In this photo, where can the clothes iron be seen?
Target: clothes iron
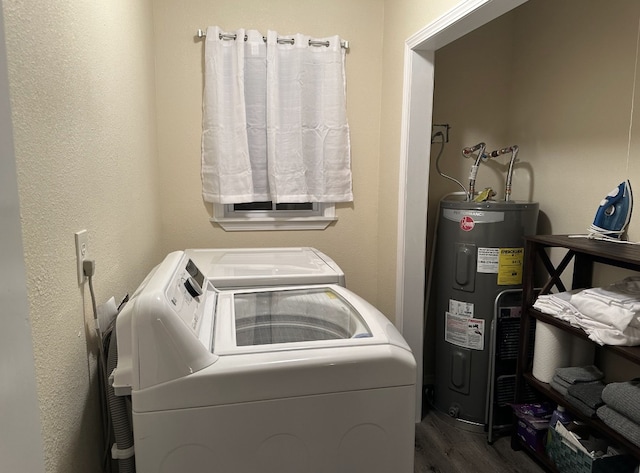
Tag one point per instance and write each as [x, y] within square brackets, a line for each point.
[614, 213]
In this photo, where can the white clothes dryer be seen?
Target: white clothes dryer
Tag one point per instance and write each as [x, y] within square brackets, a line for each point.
[270, 379]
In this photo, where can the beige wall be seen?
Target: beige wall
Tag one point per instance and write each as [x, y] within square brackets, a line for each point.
[572, 89]
[82, 90]
[352, 241]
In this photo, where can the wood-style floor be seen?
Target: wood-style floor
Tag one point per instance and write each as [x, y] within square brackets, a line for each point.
[445, 448]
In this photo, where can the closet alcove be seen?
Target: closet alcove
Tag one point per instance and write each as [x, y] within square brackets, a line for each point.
[559, 79]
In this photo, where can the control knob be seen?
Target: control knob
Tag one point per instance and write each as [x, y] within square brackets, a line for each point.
[193, 288]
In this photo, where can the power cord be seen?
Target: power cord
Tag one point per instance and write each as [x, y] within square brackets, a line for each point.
[89, 269]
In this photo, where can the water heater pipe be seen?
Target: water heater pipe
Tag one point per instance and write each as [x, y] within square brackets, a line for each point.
[467, 152]
[514, 153]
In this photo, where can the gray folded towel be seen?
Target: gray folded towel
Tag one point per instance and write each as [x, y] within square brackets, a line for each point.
[579, 374]
[580, 406]
[588, 393]
[624, 398]
[621, 424]
[559, 385]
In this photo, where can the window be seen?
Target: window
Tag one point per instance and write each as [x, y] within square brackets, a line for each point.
[271, 216]
[296, 146]
[269, 206]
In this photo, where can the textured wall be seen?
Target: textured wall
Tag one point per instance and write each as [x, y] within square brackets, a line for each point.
[353, 240]
[20, 434]
[82, 92]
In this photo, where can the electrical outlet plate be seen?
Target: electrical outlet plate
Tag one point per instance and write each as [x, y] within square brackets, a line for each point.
[444, 128]
[82, 252]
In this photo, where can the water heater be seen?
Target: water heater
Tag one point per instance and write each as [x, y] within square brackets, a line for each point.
[479, 254]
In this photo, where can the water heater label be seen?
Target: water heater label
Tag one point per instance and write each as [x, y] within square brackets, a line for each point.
[475, 216]
[465, 332]
[461, 308]
[488, 260]
[510, 266]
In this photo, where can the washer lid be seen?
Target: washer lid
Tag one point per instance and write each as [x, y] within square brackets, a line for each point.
[251, 267]
[294, 318]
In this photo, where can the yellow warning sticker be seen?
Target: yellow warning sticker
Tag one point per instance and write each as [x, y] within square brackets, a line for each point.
[510, 266]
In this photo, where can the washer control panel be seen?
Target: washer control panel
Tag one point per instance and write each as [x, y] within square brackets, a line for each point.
[187, 293]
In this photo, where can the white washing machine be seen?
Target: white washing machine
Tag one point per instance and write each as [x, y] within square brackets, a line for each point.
[270, 379]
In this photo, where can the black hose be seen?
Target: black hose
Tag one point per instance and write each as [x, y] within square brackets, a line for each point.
[122, 428]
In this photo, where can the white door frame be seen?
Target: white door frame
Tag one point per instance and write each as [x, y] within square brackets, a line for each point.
[415, 144]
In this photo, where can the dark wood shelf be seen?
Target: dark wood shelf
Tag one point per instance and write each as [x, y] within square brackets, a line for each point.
[593, 422]
[585, 253]
[607, 252]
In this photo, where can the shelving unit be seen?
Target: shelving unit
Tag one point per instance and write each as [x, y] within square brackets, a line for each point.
[584, 253]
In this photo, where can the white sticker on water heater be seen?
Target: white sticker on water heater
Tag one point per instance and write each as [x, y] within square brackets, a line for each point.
[465, 332]
[488, 260]
[460, 308]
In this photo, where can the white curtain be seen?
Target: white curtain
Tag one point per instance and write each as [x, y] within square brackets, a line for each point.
[274, 120]
[226, 167]
[255, 92]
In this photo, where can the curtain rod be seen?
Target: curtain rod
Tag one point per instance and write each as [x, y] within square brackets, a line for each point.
[229, 36]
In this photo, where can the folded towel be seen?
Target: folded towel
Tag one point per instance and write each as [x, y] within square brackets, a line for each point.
[620, 423]
[616, 305]
[579, 374]
[611, 336]
[559, 385]
[580, 406]
[601, 329]
[624, 398]
[555, 304]
[588, 393]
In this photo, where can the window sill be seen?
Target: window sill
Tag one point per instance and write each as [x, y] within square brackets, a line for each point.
[272, 223]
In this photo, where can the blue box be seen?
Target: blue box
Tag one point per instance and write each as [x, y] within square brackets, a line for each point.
[533, 422]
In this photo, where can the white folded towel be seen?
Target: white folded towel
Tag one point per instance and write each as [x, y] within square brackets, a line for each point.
[556, 304]
[598, 327]
[608, 336]
[616, 305]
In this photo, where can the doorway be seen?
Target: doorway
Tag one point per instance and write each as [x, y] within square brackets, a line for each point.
[414, 163]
